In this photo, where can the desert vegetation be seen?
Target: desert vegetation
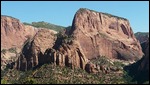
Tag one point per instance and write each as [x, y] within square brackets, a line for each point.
[43, 24]
[53, 74]
[109, 15]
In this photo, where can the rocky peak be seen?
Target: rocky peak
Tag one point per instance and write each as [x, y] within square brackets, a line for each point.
[92, 21]
[97, 31]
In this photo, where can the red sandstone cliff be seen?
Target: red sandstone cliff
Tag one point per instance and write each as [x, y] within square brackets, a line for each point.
[105, 35]
[92, 34]
[13, 32]
[13, 35]
[34, 48]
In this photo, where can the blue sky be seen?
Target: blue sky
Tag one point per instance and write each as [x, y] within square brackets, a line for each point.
[62, 12]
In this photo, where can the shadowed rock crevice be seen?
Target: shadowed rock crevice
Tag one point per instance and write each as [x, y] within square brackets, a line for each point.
[124, 29]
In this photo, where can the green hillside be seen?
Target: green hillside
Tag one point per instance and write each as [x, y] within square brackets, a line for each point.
[43, 24]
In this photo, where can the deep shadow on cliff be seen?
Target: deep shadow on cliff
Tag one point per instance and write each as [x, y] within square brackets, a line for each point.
[140, 70]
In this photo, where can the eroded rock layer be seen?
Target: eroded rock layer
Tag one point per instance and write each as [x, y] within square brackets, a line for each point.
[106, 35]
[33, 50]
[92, 34]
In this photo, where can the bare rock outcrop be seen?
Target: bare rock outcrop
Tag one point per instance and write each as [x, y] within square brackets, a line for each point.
[32, 53]
[104, 34]
[13, 35]
[13, 32]
[67, 55]
[92, 34]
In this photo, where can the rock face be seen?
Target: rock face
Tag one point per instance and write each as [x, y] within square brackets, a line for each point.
[13, 35]
[67, 55]
[140, 69]
[105, 35]
[34, 48]
[13, 32]
[64, 54]
[7, 58]
[92, 34]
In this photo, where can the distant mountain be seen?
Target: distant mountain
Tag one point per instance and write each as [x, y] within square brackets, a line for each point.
[142, 36]
[43, 24]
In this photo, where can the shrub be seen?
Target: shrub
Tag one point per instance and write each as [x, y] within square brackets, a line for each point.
[26, 23]
[10, 17]
[101, 60]
[109, 15]
[54, 74]
[43, 24]
[3, 51]
[12, 50]
[3, 81]
[29, 80]
[118, 64]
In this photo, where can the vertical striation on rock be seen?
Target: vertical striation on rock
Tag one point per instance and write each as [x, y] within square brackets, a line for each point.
[93, 34]
[102, 34]
[13, 32]
[13, 35]
[32, 53]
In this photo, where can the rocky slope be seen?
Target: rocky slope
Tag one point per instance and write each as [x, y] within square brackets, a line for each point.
[105, 35]
[63, 54]
[140, 69]
[92, 35]
[13, 35]
[13, 32]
